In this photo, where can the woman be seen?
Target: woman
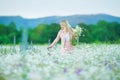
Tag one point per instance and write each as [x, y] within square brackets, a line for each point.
[65, 34]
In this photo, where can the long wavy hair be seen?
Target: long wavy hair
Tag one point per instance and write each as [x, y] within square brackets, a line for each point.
[67, 26]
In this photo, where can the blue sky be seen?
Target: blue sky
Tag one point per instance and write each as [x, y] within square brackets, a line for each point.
[42, 8]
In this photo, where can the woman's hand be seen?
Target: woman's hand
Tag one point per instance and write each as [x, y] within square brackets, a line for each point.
[49, 47]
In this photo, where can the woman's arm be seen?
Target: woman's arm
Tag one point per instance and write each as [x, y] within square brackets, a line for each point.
[56, 39]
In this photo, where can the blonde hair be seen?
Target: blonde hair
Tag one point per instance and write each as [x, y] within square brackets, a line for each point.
[67, 26]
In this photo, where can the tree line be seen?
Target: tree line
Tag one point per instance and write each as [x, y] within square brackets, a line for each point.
[103, 32]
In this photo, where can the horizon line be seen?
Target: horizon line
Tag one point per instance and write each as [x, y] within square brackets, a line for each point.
[57, 15]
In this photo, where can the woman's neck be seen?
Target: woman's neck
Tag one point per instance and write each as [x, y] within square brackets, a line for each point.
[64, 30]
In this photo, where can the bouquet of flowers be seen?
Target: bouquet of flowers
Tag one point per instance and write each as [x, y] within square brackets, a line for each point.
[77, 31]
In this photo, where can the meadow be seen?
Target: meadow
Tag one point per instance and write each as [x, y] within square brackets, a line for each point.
[88, 62]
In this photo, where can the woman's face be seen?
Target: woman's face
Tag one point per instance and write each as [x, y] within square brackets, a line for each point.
[62, 24]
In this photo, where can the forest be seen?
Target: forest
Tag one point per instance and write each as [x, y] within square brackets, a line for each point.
[102, 32]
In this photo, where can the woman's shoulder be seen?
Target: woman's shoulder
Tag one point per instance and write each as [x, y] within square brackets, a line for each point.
[60, 31]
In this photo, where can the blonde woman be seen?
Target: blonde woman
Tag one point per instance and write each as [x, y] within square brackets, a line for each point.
[65, 34]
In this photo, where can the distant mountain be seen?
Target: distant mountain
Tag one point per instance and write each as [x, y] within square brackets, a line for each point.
[73, 19]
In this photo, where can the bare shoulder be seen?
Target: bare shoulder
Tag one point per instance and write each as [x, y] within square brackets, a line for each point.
[60, 31]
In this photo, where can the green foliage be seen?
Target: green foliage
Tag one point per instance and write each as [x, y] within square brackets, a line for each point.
[2, 78]
[42, 33]
[102, 32]
[8, 32]
[74, 41]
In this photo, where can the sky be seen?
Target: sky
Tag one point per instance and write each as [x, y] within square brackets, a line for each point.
[43, 8]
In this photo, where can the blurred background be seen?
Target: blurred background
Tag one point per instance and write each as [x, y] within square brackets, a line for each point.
[100, 20]
[25, 25]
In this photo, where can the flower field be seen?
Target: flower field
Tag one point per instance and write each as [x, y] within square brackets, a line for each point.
[88, 62]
